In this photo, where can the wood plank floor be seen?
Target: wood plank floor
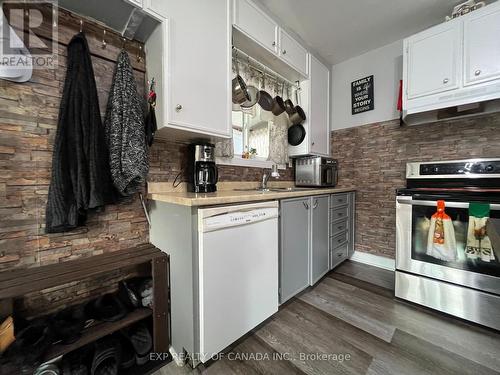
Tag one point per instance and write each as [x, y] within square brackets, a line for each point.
[350, 323]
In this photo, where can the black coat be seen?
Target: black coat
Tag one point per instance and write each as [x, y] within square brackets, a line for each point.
[81, 178]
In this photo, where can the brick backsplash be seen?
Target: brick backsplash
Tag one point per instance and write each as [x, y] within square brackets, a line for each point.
[373, 158]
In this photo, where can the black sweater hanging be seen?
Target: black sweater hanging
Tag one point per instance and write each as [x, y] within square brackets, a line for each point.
[81, 178]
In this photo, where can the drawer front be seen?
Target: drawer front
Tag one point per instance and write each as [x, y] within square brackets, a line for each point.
[337, 227]
[338, 200]
[338, 255]
[338, 214]
[338, 240]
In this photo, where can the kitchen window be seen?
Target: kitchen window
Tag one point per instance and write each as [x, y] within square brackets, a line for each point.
[250, 139]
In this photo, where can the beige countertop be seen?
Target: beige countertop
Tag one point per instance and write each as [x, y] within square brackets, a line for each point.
[227, 196]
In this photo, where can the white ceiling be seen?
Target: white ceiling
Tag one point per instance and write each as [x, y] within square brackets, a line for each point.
[338, 30]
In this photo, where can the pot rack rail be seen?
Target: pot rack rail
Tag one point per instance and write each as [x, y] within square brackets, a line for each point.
[244, 59]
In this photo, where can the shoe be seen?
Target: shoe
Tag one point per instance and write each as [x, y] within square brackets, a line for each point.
[6, 334]
[68, 324]
[138, 335]
[128, 296]
[106, 359]
[31, 343]
[107, 308]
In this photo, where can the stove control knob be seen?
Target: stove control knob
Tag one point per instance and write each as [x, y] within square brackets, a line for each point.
[435, 169]
[489, 168]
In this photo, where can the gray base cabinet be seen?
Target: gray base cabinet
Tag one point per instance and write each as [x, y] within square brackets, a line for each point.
[319, 238]
[304, 243]
[341, 227]
[294, 246]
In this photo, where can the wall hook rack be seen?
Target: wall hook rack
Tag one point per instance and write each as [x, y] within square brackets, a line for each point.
[104, 43]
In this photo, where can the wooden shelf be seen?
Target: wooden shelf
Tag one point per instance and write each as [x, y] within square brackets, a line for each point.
[96, 332]
[19, 282]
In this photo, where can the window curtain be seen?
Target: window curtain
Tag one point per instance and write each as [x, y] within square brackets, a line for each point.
[278, 139]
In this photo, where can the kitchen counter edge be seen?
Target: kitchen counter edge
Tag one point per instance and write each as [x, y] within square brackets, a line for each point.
[233, 196]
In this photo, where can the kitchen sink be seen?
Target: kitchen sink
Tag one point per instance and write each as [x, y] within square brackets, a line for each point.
[276, 190]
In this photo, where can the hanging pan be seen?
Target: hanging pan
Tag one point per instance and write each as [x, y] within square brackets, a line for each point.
[297, 132]
[240, 92]
[278, 103]
[265, 99]
[253, 91]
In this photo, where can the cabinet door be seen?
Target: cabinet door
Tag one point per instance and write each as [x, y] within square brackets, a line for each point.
[482, 46]
[294, 247]
[434, 60]
[319, 238]
[319, 108]
[200, 58]
[156, 8]
[256, 24]
[293, 53]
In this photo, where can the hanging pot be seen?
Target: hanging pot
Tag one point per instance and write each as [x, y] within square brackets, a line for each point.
[296, 134]
[265, 100]
[253, 92]
[278, 103]
[298, 116]
[289, 106]
[240, 92]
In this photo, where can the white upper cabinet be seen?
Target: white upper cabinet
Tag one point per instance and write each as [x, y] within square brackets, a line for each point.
[433, 58]
[292, 52]
[482, 47]
[157, 8]
[189, 55]
[319, 108]
[256, 24]
[453, 64]
[200, 66]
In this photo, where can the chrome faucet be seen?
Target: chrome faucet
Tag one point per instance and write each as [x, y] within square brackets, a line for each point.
[265, 177]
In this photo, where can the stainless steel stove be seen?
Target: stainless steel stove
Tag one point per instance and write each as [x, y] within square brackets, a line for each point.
[456, 276]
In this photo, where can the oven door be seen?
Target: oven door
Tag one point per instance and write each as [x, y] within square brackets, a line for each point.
[413, 222]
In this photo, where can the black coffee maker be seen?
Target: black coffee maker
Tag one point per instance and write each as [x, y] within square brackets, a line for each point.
[204, 173]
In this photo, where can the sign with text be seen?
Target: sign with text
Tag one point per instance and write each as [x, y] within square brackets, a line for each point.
[362, 95]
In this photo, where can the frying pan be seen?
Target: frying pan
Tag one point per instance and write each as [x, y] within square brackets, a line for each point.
[289, 106]
[253, 92]
[265, 100]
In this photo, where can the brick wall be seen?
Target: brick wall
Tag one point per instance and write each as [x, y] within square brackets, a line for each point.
[373, 159]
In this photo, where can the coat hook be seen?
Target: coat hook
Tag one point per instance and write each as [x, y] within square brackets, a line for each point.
[104, 39]
[124, 40]
[81, 25]
[139, 54]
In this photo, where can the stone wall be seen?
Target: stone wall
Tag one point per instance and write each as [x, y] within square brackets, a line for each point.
[373, 159]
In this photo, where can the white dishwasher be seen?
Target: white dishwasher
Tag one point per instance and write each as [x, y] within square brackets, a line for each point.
[238, 279]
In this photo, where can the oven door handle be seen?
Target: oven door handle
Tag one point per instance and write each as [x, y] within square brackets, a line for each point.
[493, 206]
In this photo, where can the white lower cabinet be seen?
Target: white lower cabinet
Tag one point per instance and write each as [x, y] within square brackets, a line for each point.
[316, 234]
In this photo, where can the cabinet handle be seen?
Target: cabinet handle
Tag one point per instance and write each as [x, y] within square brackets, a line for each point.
[284, 52]
[446, 80]
[340, 255]
[312, 143]
[477, 72]
[305, 205]
[315, 203]
[339, 227]
[274, 44]
[178, 107]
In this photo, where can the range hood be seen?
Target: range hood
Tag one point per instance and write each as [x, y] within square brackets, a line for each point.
[124, 18]
[459, 111]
